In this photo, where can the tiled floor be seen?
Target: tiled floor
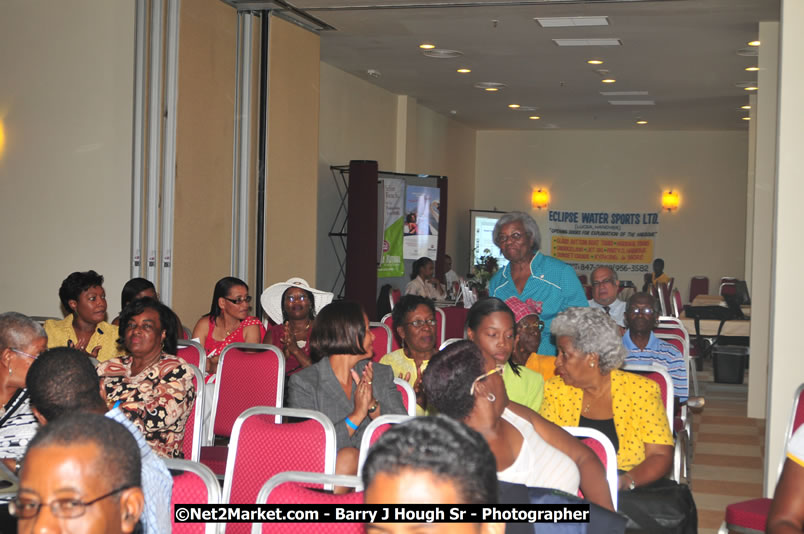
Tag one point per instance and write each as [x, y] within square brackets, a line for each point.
[729, 452]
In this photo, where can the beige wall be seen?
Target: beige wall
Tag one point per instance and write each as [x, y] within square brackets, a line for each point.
[625, 171]
[292, 181]
[65, 169]
[204, 137]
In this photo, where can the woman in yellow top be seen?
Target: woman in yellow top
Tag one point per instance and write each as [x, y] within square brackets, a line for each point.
[85, 328]
[590, 391]
[415, 327]
[529, 327]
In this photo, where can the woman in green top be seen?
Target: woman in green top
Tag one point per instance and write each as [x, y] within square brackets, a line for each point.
[490, 325]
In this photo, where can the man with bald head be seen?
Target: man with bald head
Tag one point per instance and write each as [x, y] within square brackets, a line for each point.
[604, 294]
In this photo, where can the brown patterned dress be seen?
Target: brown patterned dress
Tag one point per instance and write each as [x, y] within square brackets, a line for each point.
[158, 399]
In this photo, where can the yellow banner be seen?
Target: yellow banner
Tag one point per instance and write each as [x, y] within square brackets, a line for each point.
[602, 249]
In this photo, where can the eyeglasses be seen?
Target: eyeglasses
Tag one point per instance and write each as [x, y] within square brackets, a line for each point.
[532, 326]
[239, 300]
[643, 311]
[23, 508]
[498, 369]
[597, 283]
[516, 236]
[23, 353]
[418, 323]
[296, 298]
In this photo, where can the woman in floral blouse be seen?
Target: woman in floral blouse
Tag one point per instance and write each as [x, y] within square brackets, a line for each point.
[153, 387]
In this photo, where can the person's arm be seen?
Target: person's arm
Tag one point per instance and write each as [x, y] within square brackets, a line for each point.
[593, 477]
[252, 334]
[200, 330]
[658, 461]
[786, 514]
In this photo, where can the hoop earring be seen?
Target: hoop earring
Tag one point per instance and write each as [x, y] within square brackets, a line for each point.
[490, 397]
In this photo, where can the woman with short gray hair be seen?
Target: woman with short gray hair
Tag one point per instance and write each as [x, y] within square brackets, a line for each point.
[590, 391]
[545, 284]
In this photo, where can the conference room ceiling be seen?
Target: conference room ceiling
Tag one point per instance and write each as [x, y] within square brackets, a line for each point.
[680, 54]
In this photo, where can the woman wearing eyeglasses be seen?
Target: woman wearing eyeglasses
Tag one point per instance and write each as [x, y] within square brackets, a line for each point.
[490, 325]
[292, 306]
[529, 329]
[530, 275]
[465, 383]
[228, 321]
[415, 327]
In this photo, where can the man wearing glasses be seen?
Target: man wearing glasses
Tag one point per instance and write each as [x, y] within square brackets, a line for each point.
[81, 473]
[604, 294]
[641, 317]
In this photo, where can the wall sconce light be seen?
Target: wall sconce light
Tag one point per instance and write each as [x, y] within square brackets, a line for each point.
[540, 198]
[670, 200]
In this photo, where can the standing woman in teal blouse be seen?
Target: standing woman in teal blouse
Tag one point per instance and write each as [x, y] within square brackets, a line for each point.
[490, 325]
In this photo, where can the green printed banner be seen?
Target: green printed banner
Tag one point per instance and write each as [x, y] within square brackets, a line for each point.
[391, 264]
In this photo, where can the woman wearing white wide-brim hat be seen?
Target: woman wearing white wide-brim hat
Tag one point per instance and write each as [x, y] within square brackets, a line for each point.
[293, 305]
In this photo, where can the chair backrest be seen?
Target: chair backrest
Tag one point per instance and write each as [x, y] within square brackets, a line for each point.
[193, 483]
[588, 292]
[603, 448]
[408, 395]
[245, 379]
[729, 280]
[658, 374]
[441, 321]
[193, 428]
[373, 431]
[676, 304]
[448, 342]
[299, 487]
[192, 352]
[584, 280]
[388, 321]
[394, 295]
[661, 294]
[699, 285]
[795, 421]
[382, 340]
[727, 288]
[673, 328]
[454, 321]
[261, 448]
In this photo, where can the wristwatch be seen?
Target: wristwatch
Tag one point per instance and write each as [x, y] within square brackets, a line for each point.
[373, 407]
[632, 484]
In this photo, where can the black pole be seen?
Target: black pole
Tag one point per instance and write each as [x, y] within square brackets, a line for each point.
[261, 163]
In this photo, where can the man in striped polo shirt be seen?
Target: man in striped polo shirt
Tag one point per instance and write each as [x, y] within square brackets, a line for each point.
[641, 317]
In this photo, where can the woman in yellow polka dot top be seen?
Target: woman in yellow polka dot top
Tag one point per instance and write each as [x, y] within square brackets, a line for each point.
[590, 391]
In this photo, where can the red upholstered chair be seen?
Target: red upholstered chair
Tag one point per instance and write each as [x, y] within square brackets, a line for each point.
[192, 352]
[440, 325]
[454, 321]
[373, 431]
[244, 379]
[408, 395]
[729, 280]
[394, 295]
[676, 307]
[699, 285]
[588, 291]
[750, 516]
[382, 340]
[728, 288]
[261, 448]
[664, 297]
[193, 483]
[388, 321]
[602, 447]
[193, 429]
[299, 487]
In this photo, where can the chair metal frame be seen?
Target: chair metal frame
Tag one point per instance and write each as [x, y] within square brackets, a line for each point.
[611, 455]
[198, 415]
[202, 353]
[209, 479]
[365, 441]
[410, 392]
[448, 342]
[280, 387]
[329, 431]
[390, 338]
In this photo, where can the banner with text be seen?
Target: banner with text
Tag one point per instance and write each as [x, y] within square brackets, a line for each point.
[587, 239]
[422, 205]
[391, 264]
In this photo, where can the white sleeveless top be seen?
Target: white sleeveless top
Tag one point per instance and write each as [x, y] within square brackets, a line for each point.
[539, 464]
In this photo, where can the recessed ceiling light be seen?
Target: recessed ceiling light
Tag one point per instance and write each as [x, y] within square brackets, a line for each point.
[427, 46]
[608, 80]
[442, 53]
[746, 118]
[491, 89]
[745, 107]
[752, 88]
[489, 85]
[464, 71]
[566, 22]
[752, 69]
[641, 122]
[587, 42]
[513, 106]
[753, 43]
[534, 117]
[594, 61]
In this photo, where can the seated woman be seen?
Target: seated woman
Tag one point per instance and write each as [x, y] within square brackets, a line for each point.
[490, 324]
[292, 305]
[343, 384]
[228, 321]
[589, 390]
[152, 387]
[136, 288]
[464, 383]
[415, 327]
[85, 328]
[529, 329]
[422, 282]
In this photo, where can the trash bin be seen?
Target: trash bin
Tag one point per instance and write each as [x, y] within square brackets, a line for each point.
[729, 362]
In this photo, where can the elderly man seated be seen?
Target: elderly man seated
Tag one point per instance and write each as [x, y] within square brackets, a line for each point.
[641, 318]
[605, 286]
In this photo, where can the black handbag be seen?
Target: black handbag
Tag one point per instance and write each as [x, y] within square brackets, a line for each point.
[664, 507]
